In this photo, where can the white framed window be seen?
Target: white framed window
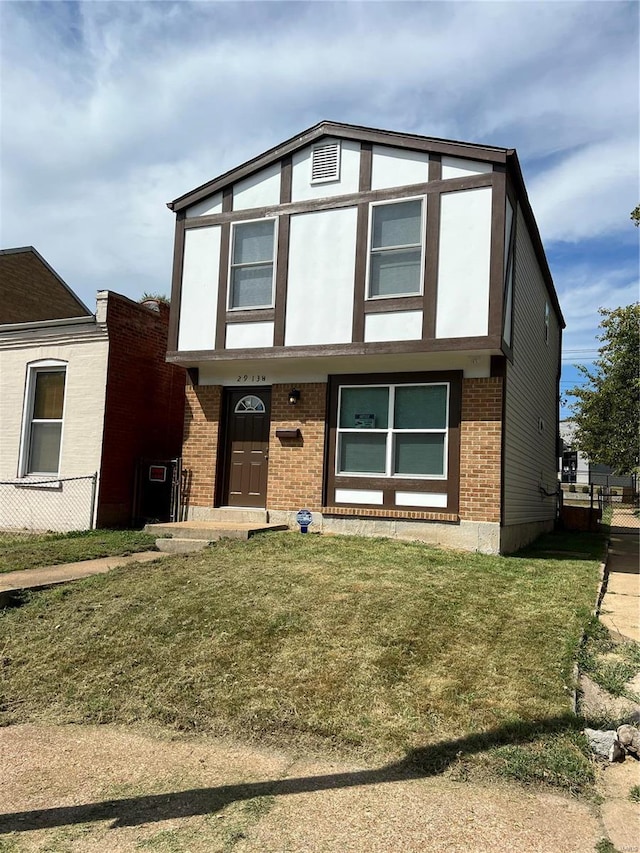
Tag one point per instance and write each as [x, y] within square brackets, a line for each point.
[393, 430]
[252, 264]
[43, 418]
[396, 248]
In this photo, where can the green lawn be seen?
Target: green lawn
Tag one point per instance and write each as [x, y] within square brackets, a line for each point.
[19, 551]
[382, 648]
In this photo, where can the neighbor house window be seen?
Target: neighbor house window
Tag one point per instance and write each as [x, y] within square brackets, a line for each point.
[252, 264]
[395, 249]
[393, 430]
[42, 433]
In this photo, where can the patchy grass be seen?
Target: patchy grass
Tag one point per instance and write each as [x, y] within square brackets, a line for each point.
[634, 794]
[391, 650]
[611, 664]
[50, 549]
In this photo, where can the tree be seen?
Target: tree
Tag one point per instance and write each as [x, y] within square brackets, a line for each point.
[635, 215]
[607, 410]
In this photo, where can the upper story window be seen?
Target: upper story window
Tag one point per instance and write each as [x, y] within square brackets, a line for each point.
[393, 430]
[251, 281]
[42, 427]
[396, 249]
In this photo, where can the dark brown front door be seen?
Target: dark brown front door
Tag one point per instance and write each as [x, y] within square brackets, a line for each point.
[247, 447]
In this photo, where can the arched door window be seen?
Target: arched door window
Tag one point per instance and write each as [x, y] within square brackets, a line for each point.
[250, 405]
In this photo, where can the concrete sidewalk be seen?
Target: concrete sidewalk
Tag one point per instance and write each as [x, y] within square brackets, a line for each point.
[620, 609]
[12, 583]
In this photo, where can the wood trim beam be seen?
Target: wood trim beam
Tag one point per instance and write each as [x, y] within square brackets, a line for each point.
[496, 263]
[490, 344]
[176, 284]
[360, 273]
[282, 270]
[285, 180]
[254, 315]
[350, 200]
[366, 163]
[432, 248]
[398, 303]
[223, 283]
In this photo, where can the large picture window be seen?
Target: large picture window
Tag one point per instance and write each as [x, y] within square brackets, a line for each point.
[395, 250]
[43, 420]
[393, 430]
[252, 256]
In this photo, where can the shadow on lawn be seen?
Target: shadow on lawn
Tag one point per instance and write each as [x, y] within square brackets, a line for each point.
[420, 763]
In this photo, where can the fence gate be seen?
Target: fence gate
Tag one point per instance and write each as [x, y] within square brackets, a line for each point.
[624, 506]
[157, 497]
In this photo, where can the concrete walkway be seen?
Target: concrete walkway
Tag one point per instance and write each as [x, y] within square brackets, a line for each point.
[620, 610]
[15, 582]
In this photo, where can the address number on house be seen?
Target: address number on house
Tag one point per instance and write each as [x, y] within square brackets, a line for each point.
[251, 377]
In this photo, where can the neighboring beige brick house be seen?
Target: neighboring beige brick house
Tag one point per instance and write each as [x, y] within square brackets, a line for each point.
[372, 333]
[84, 398]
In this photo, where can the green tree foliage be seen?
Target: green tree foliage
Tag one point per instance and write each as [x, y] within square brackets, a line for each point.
[607, 409]
[635, 215]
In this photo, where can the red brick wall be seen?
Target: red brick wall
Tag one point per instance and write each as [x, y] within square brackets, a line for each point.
[144, 408]
[200, 446]
[295, 465]
[480, 449]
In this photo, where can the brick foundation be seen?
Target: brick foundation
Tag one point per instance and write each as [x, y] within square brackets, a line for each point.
[480, 449]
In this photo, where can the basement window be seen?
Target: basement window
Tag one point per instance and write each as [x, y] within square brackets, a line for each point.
[325, 162]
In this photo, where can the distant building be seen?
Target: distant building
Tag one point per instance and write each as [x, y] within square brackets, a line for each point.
[576, 468]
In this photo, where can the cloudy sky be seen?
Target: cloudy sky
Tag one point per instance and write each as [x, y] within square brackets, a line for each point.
[111, 109]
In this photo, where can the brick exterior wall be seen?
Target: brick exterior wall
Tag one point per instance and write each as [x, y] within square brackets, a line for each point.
[200, 444]
[144, 408]
[480, 449]
[295, 465]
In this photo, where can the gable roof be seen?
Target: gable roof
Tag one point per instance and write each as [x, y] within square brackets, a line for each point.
[343, 131]
[31, 290]
[507, 157]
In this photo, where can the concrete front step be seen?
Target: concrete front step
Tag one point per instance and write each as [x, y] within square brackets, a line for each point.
[243, 516]
[183, 537]
[210, 530]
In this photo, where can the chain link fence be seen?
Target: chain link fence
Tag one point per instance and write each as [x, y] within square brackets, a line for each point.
[58, 504]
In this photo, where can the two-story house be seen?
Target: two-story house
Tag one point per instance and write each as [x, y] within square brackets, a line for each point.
[372, 333]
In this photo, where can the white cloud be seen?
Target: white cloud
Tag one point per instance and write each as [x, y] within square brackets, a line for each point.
[116, 108]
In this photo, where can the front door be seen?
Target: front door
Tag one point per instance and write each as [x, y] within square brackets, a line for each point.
[247, 448]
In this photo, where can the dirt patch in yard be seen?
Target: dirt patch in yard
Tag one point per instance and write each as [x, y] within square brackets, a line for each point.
[84, 789]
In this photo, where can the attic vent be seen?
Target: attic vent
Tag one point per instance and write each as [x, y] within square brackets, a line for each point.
[325, 162]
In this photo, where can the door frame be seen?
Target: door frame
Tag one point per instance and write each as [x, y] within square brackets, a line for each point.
[223, 467]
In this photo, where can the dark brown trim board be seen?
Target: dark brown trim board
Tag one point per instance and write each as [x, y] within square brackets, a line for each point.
[282, 272]
[366, 161]
[176, 284]
[393, 304]
[254, 315]
[223, 276]
[389, 485]
[285, 180]
[496, 263]
[360, 274]
[431, 253]
[490, 345]
[467, 182]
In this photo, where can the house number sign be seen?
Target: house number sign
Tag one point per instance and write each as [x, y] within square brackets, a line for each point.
[254, 378]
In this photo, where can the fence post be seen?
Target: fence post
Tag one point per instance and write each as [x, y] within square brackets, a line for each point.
[92, 509]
